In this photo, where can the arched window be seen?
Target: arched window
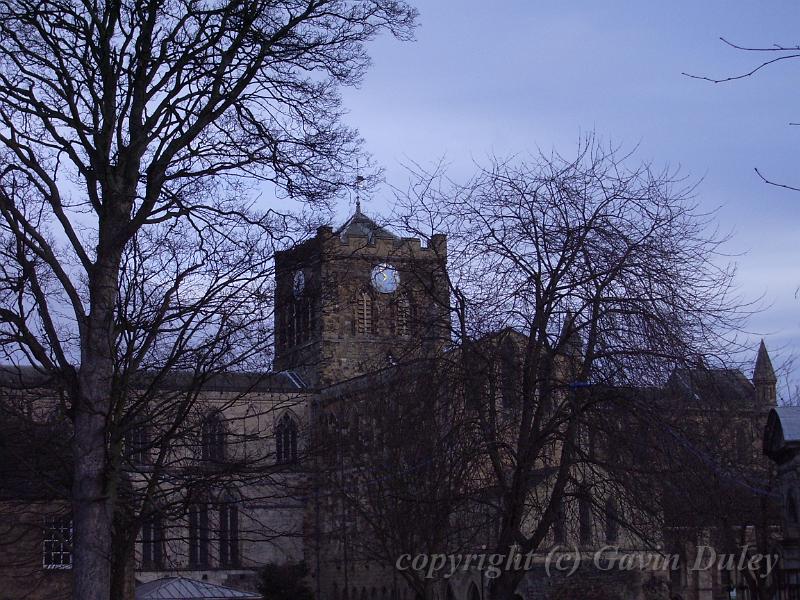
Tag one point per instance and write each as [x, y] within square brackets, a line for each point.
[473, 592]
[301, 319]
[475, 367]
[286, 440]
[137, 442]
[612, 522]
[213, 438]
[198, 536]
[363, 313]
[152, 543]
[228, 533]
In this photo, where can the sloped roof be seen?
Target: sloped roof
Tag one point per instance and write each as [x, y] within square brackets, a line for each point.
[360, 225]
[28, 377]
[790, 422]
[724, 387]
[763, 372]
[182, 588]
[782, 434]
[283, 381]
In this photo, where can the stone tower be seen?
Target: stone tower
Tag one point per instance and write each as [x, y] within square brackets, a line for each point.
[764, 379]
[357, 299]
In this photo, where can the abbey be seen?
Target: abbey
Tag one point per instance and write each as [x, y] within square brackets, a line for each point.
[318, 461]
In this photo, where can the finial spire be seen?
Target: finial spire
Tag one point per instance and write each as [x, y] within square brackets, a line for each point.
[359, 181]
[763, 372]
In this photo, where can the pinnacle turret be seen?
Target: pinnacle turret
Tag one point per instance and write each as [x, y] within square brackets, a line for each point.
[763, 372]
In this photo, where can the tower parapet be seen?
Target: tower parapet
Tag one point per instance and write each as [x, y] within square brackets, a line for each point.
[357, 298]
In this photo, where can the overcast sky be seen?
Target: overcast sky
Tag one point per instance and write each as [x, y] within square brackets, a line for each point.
[506, 77]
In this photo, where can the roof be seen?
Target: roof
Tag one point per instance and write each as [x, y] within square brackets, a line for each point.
[283, 381]
[182, 588]
[763, 372]
[782, 434]
[790, 422]
[722, 387]
[360, 225]
[29, 377]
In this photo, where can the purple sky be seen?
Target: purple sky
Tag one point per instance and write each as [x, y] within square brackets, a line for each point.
[507, 77]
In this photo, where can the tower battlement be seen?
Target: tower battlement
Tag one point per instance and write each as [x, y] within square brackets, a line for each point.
[353, 299]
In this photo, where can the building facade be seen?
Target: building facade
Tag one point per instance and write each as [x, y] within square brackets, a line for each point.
[260, 476]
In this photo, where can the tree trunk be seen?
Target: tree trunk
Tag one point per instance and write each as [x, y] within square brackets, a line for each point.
[91, 503]
[93, 485]
[123, 563]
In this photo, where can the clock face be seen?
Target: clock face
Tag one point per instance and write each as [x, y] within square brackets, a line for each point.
[385, 278]
[299, 283]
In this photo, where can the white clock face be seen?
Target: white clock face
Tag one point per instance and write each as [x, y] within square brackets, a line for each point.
[299, 283]
[385, 278]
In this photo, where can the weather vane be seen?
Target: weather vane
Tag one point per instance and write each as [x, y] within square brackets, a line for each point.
[358, 182]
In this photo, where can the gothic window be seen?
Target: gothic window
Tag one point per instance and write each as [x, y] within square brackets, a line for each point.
[363, 313]
[57, 543]
[475, 379]
[302, 319]
[137, 444]
[585, 517]
[229, 534]
[612, 522]
[198, 535]
[213, 438]
[152, 543]
[286, 440]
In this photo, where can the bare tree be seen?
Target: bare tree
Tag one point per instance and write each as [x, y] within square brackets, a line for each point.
[125, 118]
[769, 56]
[608, 271]
[396, 466]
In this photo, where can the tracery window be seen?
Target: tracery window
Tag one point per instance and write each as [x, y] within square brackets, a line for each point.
[152, 543]
[198, 535]
[228, 534]
[213, 438]
[286, 440]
